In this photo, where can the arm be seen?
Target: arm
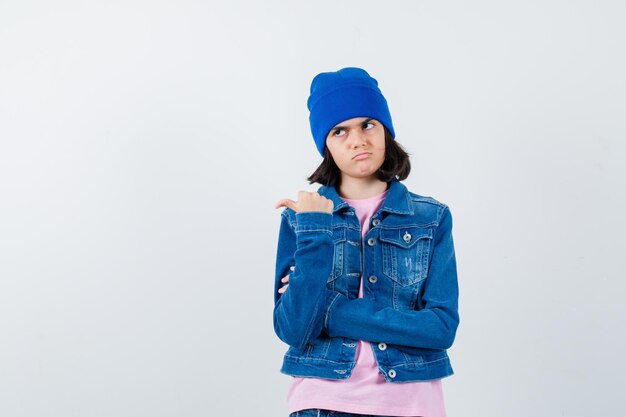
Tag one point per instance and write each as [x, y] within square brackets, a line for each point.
[432, 327]
[298, 313]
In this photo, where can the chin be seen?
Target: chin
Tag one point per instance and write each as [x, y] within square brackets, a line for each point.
[366, 174]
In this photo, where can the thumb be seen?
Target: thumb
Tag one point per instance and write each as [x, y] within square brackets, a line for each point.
[286, 202]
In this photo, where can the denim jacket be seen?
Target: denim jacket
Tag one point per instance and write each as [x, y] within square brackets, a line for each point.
[409, 309]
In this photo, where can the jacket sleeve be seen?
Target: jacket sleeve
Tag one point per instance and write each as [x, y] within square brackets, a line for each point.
[432, 327]
[299, 312]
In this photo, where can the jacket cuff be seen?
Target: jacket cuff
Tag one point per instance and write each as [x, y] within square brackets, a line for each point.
[314, 221]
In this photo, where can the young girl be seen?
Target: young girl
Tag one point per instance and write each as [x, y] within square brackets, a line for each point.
[366, 292]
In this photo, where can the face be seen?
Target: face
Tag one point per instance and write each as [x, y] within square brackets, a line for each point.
[357, 146]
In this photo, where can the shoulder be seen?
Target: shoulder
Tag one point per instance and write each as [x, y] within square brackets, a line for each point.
[428, 206]
[424, 199]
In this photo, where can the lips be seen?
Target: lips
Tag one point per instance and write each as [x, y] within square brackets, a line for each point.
[361, 155]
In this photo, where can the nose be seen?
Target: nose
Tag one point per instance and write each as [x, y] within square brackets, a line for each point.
[357, 138]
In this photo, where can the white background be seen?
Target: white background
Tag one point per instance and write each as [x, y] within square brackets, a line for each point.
[143, 145]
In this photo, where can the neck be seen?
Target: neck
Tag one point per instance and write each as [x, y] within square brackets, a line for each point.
[359, 188]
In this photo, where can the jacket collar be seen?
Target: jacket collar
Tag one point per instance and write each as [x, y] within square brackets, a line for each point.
[397, 201]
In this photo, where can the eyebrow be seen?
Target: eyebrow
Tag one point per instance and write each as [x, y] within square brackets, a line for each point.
[369, 119]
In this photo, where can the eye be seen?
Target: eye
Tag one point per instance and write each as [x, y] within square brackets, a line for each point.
[339, 132]
[368, 125]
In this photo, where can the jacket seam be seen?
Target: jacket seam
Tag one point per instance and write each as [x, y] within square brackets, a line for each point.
[422, 363]
[328, 310]
[314, 359]
[309, 327]
[314, 230]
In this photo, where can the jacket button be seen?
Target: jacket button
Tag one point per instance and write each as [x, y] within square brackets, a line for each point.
[383, 346]
[371, 241]
[407, 237]
[392, 373]
[372, 279]
[376, 222]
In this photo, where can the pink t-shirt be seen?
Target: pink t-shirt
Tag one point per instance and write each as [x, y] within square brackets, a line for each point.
[366, 391]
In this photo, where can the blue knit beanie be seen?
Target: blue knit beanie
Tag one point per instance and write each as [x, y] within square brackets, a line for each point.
[342, 95]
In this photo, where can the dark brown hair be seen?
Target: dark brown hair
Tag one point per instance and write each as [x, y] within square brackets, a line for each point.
[396, 164]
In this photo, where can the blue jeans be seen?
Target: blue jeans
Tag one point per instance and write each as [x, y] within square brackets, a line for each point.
[327, 413]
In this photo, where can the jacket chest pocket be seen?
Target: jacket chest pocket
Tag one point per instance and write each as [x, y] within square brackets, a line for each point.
[406, 253]
[339, 241]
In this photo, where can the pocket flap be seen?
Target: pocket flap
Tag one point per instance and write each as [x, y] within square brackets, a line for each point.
[405, 237]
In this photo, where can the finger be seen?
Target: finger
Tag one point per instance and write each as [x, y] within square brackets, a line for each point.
[285, 279]
[292, 267]
[283, 289]
[281, 203]
[286, 202]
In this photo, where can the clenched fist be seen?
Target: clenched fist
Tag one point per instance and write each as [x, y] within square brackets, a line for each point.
[307, 201]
